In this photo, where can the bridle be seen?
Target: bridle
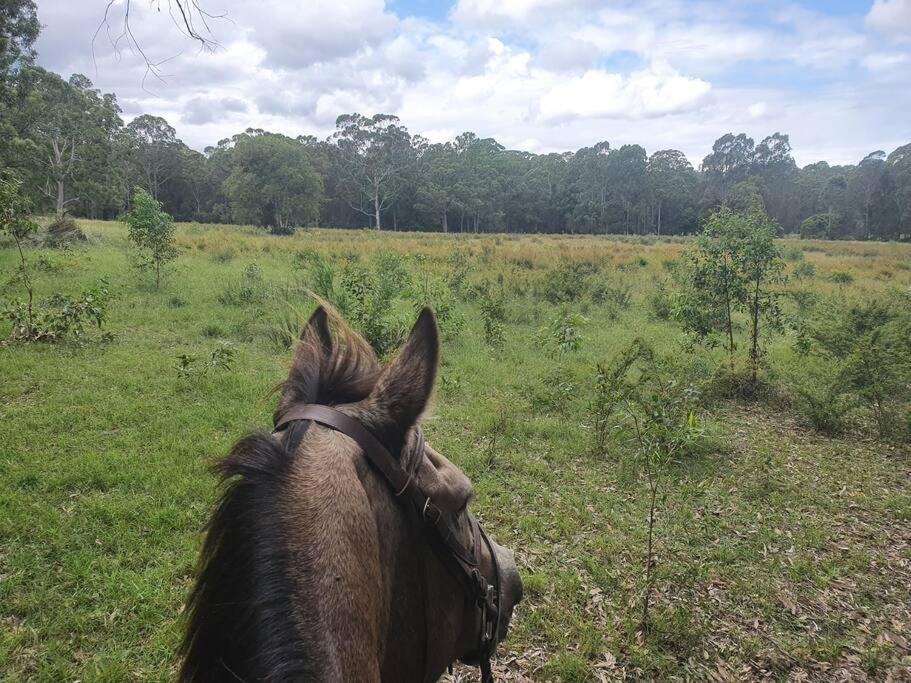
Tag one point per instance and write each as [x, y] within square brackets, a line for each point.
[463, 562]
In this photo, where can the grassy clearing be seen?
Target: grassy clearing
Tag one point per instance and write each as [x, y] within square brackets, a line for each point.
[782, 553]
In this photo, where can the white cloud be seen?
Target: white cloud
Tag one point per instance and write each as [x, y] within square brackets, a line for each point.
[543, 75]
[892, 17]
[648, 93]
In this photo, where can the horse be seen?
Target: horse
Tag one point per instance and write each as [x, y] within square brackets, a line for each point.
[341, 547]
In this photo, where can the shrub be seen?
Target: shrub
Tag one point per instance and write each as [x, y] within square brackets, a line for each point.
[824, 405]
[151, 230]
[221, 358]
[567, 282]
[804, 270]
[661, 305]
[319, 270]
[61, 316]
[841, 277]
[249, 290]
[493, 314]
[563, 334]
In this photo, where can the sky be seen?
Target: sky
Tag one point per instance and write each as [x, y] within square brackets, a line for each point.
[537, 75]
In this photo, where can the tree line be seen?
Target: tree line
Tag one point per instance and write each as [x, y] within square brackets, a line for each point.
[68, 143]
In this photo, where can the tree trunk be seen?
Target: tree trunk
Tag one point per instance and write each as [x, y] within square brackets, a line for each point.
[445, 222]
[376, 209]
[60, 198]
[754, 333]
[659, 218]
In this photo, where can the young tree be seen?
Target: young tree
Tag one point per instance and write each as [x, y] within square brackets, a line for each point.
[152, 231]
[16, 222]
[760, 265]
[731, 268]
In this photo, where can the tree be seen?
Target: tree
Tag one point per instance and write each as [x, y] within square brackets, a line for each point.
[67, 125]
[899, 167]
[375, 153]
[151, 230]
[436, 190]
[730, 162]
[15, 221]
[272, 182]
[731, 268]
[760, 265]
[19, 30]
[154, 152]
[671, 181]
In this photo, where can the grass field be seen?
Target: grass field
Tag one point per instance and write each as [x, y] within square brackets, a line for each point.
[781, 553]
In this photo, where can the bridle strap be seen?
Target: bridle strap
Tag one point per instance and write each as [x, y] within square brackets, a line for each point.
[403, 484]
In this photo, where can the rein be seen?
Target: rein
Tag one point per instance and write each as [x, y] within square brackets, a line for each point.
[462, 561]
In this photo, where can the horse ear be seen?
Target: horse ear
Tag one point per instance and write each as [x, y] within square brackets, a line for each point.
[314, 347]
[403, 390]
[318, 327]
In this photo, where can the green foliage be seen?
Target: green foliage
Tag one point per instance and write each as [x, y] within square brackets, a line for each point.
[493, 315]
[151, 231]
[563, 334]
[841, 277]
[867, 351]
[804, 270]
[59, 317]
[221, 358]
[249, 290]
[654, 412]
[272, 182]
[731, 270]
[320, 271]
[567, 282]
[15, 209]
[661, 303]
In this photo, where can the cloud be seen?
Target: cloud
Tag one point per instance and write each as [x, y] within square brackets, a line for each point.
[201, 110]
[542, 75]
[596, 94]
[298, 33]
[892, 17]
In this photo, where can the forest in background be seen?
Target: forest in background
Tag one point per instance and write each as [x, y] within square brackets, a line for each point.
[67, 141]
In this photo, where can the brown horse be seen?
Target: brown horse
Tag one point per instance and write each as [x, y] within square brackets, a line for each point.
[313, 567]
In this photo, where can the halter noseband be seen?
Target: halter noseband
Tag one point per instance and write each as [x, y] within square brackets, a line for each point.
[463, 562]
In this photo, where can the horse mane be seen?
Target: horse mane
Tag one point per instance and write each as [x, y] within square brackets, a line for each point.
[240, 619]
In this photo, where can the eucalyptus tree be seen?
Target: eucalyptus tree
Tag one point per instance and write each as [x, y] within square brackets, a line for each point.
[671, 184]
[19, 29]
[899, 168]
[376, 153]
[155, 152]
[730, 161]
[70, 127]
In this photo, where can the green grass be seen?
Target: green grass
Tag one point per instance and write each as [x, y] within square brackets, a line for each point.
[780, 550]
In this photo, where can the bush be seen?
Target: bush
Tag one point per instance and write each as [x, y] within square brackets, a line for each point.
[566, 283]
[804, 270]
[563, 334]
[61, 316]
[493, 314]
[321, 273]
[661, 305]
[151, 230]
[250, 289]
[825, 406]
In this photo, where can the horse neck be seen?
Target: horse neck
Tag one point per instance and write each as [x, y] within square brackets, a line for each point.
[360, 583]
